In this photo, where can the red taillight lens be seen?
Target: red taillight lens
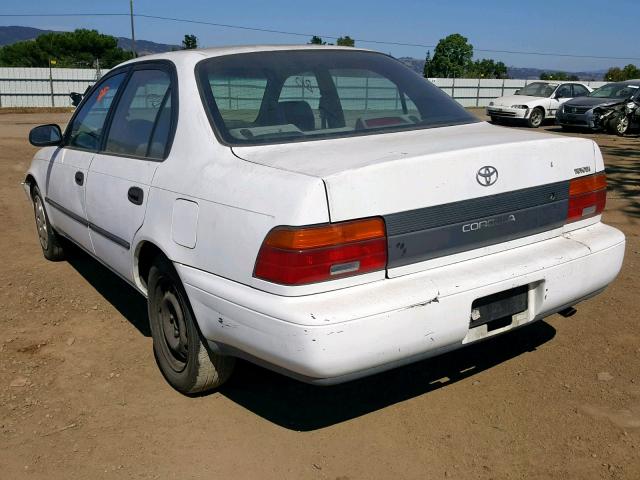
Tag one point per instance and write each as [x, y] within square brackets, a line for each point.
[300, 255]
[587, 197]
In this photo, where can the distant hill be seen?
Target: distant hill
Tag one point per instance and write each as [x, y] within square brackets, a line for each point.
[513, 72]
[534, 73]
[9, 35]
[13, 34]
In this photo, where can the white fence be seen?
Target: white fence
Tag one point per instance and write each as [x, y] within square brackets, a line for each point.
[34, 87]
[474, 92]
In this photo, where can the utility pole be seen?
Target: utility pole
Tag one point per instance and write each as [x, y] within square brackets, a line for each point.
[133, 35]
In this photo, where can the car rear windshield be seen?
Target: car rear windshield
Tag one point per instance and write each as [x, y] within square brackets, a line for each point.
[294, 95]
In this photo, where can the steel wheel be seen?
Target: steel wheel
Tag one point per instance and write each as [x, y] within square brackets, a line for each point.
[49, 241]
[175, 346]
[41, 223]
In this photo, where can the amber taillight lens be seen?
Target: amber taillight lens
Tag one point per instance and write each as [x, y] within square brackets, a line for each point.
[587, 197]
[302, 255]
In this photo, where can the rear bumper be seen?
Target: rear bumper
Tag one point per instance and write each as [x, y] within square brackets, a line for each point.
[340, 335]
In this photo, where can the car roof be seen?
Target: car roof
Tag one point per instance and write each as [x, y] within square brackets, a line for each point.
[558, 82]
[635, 81]
[202, 53]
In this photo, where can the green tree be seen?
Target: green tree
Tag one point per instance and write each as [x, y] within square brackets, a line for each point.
[451, 57]
[487, 68]
[615, 74]
[346, 41]
[562, 76]
[316, 40]
[70, 49]
[426, 72]
[631, 72]
[190, 42]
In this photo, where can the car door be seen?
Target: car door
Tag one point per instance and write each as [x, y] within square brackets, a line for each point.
[120, 175]
[67, 174]
[562, 94]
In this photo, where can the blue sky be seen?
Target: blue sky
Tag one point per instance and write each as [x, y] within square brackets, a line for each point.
[585, 27]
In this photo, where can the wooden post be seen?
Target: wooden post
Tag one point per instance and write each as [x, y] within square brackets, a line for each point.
[502, 94]
[478, 94]
[51, 83]
[366, 93]
[453, 88]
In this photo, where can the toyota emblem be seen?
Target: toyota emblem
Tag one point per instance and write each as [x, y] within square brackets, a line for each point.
[487, 176]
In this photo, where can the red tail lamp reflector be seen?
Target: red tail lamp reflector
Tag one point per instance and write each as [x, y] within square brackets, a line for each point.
[587, 197]
[301, 255]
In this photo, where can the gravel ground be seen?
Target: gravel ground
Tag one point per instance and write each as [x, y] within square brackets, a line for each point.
[81, 397]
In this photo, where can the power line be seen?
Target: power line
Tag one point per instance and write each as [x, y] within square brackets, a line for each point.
[299, 34]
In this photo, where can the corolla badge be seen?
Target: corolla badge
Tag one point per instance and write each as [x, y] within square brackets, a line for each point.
[487, 176]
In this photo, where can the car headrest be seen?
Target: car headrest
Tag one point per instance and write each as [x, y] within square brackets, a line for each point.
[298, 113]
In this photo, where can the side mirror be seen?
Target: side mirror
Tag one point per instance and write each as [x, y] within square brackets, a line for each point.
[45, 136]
[76, 98]
[516, 92]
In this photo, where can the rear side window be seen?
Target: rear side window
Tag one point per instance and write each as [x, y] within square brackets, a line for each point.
[238, 96]
[141, 124]
[85, 131]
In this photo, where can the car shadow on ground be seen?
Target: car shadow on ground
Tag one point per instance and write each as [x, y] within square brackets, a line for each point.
[302, 407]
[131, 304]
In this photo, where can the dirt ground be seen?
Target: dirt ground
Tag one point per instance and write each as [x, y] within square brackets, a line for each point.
[81, 397]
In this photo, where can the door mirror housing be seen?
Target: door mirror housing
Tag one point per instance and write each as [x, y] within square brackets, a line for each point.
[45, 136]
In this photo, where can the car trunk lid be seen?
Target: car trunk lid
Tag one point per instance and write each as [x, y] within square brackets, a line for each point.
[442, 191]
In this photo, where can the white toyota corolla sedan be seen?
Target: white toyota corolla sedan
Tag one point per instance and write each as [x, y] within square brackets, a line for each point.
[321, 211]
[535, 102]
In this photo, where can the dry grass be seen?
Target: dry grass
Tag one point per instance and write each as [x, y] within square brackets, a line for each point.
[36, 110]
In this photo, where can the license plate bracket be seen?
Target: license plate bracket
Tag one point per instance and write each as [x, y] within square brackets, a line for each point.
[499, 306]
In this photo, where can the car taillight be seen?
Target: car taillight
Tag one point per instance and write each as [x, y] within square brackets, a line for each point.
[301, 255]
[587, 197]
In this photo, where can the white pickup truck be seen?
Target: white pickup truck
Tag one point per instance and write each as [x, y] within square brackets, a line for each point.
[322, 211]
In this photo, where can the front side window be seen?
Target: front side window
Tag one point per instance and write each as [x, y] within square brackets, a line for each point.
[282, 96]
[85, 131]
[564, 91]
[579, 91]
[142, 121]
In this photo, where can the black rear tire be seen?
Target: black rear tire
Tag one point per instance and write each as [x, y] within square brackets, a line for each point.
[181, 354]
[49, 240]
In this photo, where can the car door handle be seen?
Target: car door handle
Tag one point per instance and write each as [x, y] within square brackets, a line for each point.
[135, 195]
[79, 178]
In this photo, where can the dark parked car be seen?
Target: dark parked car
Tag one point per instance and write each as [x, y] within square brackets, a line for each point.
[583, 111]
